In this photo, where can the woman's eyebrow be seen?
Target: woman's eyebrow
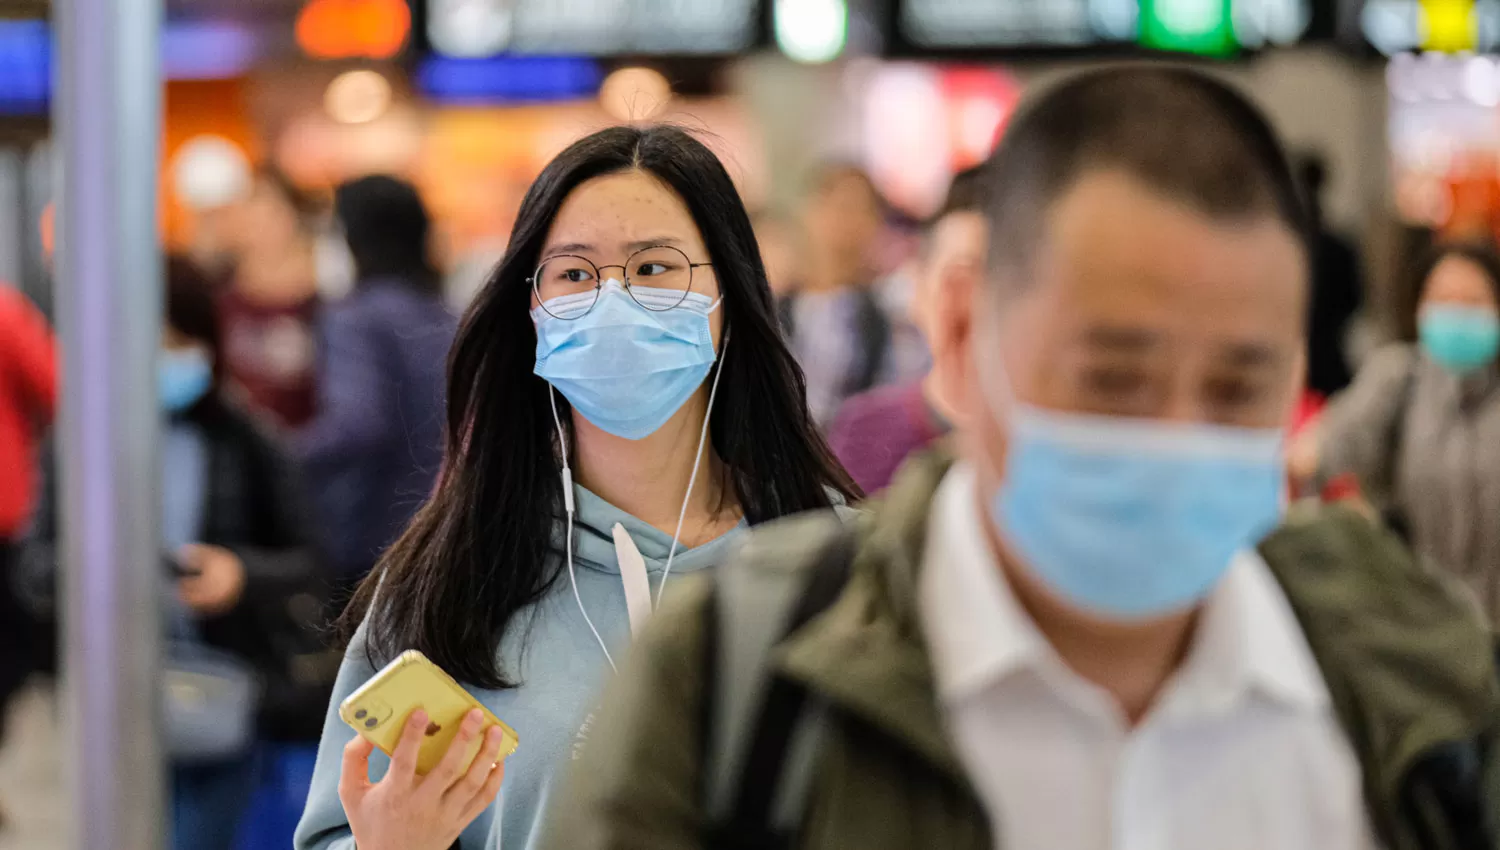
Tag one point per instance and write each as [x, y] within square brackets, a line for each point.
[567, 248]
[632, 247]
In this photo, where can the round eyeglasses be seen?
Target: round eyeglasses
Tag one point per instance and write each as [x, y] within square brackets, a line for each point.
[663, 274]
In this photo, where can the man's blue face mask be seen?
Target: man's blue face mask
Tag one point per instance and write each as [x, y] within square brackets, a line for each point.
[1130, 518]
[623, 367]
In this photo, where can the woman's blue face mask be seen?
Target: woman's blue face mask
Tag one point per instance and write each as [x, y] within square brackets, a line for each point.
[1461, 338]
[623, 367]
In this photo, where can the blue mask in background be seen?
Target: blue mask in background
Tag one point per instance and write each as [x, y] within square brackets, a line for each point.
[625, 368]
[183, 378]
[1134, 518]
[1460, 338]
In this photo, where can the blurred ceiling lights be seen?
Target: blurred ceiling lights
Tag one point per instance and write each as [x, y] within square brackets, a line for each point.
[353, 29]
[469, 28]
[209, 172]
[635, 94]
[357, 97]
[812, 31]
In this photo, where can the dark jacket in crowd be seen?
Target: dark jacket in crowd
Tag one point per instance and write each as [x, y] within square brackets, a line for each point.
[374, 450]
[255, 507]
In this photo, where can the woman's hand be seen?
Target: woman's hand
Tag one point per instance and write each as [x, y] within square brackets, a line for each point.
[216, 581]
[405, 811]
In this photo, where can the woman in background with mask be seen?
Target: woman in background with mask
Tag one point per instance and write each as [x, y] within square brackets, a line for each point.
[236, 538]
[1420, 426]
[621, 407]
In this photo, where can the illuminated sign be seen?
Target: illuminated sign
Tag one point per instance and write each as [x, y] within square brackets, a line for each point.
[478, 28]
[353, 29]
[25, 67]
[508, 79]
[1189, 26]
[1195, 26]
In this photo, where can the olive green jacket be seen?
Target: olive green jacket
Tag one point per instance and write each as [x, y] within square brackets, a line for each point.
[1406, 660]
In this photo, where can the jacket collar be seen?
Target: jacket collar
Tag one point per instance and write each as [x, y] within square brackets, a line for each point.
[866, 654]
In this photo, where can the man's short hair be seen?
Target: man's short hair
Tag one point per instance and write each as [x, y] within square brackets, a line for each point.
[1180, 132]
[968, 192]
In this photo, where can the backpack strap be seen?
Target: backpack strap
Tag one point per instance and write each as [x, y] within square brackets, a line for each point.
[758, 753]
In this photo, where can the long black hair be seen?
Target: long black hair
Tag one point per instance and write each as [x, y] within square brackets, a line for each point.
[481, 549]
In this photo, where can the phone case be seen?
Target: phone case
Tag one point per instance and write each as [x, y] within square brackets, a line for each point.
[379, 709]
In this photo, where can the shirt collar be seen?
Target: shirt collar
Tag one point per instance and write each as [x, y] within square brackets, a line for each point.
[1248, 639]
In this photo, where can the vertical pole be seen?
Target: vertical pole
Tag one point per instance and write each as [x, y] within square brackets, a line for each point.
[107, 111]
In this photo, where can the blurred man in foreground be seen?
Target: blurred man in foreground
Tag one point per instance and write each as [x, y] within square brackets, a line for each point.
[876, 430]
[1068, 637]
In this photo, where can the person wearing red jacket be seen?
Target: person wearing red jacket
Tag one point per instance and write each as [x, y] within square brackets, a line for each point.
[28, 399]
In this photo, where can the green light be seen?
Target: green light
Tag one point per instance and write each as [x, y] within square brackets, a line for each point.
[1188, 26]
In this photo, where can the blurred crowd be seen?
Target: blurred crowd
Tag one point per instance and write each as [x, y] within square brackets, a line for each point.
[651, 371]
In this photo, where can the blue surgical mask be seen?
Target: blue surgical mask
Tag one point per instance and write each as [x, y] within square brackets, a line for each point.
[1458, 337]
[624, 368]
[1133, 518]
[183, 378]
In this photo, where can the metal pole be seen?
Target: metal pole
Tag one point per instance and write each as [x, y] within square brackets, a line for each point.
[108, 115]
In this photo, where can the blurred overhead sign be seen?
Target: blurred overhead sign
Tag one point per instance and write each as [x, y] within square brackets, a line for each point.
[1195, 26]
[353, 29]
[480, 28]
[1441, 26]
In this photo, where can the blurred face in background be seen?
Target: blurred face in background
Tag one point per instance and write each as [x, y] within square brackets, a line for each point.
[1134, 306]
[268, 221]
[843, 220]
[1458, 281]
[781, 249]
[1457, 319]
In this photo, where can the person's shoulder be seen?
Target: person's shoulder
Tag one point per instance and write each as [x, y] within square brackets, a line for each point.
[1394, 359]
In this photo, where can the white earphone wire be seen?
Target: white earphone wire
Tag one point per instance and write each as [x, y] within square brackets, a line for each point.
[567, 482]
[693, 478]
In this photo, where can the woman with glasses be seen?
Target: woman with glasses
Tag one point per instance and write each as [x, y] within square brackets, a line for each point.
[621, 407]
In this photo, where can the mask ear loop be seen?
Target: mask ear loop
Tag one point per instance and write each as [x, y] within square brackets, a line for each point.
[567, 482]
[697, 459]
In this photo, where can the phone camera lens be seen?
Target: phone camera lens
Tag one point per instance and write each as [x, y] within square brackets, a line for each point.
[371, 723]
[361, 714]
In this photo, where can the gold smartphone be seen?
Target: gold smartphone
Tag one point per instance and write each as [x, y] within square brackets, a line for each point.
[379, 709]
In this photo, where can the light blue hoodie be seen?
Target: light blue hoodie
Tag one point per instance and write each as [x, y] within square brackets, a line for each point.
[560, 666]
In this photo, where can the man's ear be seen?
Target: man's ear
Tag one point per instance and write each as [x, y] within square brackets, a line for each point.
[954, 303]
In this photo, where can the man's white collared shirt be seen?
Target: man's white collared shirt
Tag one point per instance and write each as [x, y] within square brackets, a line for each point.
[1241, 751]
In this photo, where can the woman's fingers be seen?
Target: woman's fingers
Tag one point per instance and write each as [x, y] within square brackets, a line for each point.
[473, 782]
[404, 760]
[487, 792]
[354, 779]
[451, 768]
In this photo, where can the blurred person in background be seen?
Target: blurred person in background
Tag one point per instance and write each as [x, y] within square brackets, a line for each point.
[240, 551]
[877, 430]
[832, 317]
[269, 312]
[593, 449]
[28, 400]
[1338, 289]
[783, 249]
[1420, 427]
[373, 450]
[1069, 637]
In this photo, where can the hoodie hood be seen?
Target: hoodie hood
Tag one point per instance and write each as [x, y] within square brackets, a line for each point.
[594, 544]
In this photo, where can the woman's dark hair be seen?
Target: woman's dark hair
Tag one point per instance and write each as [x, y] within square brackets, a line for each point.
[191, 305]
[478, 552]
[387, 226]
[1480, 253]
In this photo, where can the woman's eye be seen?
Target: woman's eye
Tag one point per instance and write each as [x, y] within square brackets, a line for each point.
[652, 269]
[577, 276]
